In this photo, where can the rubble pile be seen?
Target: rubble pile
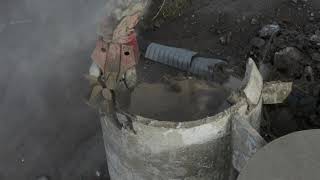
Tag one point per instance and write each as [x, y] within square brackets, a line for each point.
[289, 53]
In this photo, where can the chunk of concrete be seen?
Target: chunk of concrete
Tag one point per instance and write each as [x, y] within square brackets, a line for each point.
[276, 92]
[286, 60]
[246, 141]
[254, 83]
[269, 30]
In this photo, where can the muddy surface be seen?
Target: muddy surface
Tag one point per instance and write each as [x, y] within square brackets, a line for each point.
[178, 100]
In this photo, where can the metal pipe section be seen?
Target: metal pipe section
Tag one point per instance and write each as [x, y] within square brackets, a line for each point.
[182, 59]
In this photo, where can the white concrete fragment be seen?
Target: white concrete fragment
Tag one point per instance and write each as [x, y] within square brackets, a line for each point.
[94, 70]
[254, 83]
[276, 92]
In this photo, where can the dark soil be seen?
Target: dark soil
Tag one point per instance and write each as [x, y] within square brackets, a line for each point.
[203, 26]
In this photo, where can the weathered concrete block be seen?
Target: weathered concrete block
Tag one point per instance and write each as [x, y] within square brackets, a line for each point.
[276, 92]
[254, 82]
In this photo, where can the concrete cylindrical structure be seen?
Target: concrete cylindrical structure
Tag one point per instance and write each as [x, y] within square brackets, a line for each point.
[149, 149]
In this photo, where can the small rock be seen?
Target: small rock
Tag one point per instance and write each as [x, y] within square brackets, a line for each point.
[287, 60]
[315, 56]
[257, 42]
[295, 1]
[269, 30]
[312, 14]
[98, 173]
[254, 21]
[311, 19]
[315, 37]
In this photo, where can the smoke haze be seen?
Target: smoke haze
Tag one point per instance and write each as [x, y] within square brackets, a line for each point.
[45, 126]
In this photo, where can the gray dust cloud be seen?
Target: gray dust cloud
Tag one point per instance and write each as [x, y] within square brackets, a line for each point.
[45, 126]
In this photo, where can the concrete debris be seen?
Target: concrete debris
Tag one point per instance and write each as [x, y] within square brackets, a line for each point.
[254, 82]
[276, 92]
[287, 60]
[246, 141]
[269, 30]
[130, 78]
[294, 56]
[257, 42]
[94, 70]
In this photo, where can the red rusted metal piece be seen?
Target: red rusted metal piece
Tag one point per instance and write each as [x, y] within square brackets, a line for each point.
[116, 56]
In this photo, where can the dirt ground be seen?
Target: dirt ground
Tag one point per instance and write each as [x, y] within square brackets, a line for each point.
[48, 130]
[205, 23]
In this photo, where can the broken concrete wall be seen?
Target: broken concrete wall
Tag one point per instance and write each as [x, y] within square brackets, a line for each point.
[196, 150]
